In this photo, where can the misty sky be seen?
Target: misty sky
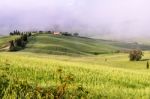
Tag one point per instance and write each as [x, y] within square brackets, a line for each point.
[118, 18]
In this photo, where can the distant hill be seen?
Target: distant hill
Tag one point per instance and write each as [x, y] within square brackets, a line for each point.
[68, 45]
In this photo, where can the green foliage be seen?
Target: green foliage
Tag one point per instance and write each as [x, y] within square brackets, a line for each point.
[11, 46]
[19, 43]
[135, 55]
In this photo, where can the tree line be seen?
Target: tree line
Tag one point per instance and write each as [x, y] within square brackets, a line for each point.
[61, 33]
[19, 43]
[17, 32]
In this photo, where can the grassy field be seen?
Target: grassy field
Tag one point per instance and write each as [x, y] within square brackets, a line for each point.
[107, 76]
[63, 45]
[6, 39]
[114, 78]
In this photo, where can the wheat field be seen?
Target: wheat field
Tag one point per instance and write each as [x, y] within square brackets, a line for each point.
[115, 78]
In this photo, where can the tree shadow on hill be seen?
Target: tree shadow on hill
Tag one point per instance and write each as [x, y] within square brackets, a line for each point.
[145, 59]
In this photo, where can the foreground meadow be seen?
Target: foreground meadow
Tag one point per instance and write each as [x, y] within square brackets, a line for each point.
[104, 76]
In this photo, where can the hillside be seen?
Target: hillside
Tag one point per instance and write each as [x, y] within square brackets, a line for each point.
[110, 76]
[4, 42]
[63, 45]
[5, 39]
[116, 78]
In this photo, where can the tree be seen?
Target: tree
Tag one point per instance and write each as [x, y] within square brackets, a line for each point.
[135, 55]
[17, 42]
[49, 32]
[76, 34]
[40, 31]
[147, 65]
[66, 34]
[25, 37]
[29, 34]
[11, 46]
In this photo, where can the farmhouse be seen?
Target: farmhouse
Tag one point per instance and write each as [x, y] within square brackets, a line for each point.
[57, 33]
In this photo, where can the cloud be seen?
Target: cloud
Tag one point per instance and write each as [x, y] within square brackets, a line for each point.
[115, 18]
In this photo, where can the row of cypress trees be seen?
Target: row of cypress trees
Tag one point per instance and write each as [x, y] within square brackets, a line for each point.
[19, 43]
[17, 32]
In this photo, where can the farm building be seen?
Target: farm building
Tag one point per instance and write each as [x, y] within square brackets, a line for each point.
[57, 33]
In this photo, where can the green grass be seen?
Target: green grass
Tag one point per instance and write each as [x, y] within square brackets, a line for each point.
[116, 78]
[62, 45]
[67, 45]
[6, 39]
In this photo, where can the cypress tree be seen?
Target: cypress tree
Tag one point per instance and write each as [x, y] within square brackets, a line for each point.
[11, 46]
[147, 65]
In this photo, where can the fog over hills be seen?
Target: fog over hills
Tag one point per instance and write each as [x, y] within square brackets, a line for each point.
[110, 19]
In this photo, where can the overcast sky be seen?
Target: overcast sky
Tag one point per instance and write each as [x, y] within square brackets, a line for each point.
[119, 18]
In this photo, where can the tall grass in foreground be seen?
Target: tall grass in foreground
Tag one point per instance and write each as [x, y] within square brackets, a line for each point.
[12, 87]
[99, 80]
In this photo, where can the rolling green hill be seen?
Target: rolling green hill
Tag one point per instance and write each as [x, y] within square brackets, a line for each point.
[63, 45]
[50, 44]
[104, 76]
[69, 45]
